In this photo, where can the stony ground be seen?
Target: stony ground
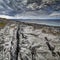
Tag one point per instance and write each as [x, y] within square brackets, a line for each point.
[8, 41]
[23, 41]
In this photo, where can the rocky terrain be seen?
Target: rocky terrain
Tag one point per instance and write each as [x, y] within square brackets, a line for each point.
[29, 41]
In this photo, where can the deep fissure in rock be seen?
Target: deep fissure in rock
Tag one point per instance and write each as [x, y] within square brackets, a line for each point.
[17, 48]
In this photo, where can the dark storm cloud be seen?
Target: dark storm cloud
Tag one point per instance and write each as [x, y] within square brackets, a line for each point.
[30, 8]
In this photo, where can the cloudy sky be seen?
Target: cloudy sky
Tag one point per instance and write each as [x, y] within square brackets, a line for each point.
[28, 9]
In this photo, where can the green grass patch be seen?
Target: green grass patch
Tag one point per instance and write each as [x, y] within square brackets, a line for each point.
[2, 24]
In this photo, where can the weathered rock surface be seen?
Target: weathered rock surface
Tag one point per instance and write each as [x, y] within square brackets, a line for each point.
[33, 45]
[8, 42]
[25, 41]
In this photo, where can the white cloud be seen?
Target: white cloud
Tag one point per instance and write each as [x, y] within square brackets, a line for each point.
[6, 16]
[55, 14]
[27, 17]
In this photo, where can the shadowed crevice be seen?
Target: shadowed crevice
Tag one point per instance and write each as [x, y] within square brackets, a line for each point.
[17, 48]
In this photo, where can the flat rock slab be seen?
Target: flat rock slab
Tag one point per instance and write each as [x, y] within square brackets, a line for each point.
[25, 41]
